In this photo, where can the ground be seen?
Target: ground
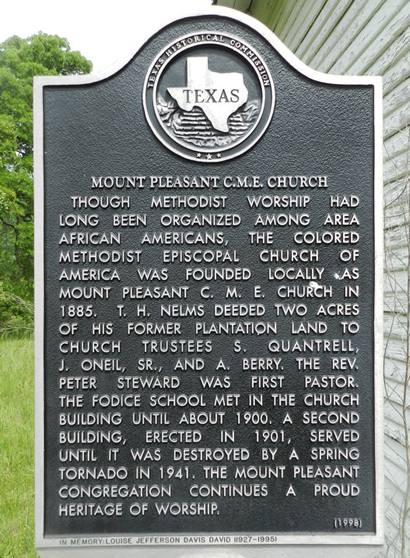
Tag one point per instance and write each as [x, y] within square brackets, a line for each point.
[17, 449]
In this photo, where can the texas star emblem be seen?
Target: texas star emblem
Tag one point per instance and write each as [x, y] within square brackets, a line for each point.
[208, 104]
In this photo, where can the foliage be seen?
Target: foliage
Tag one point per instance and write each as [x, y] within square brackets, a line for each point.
[20, 60]
[17, 314]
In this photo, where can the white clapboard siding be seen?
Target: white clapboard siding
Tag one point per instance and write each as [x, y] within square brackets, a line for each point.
[396, 300]
[396, 259]
[396, 195]
[396, 144]
[304, 18]
[385, 26]
[400, 69]
[398, 120]
[371, 37]
[396, 370]
[328, 18]
[395, 326]
[396, 216]
[399, 237]
[348, 27]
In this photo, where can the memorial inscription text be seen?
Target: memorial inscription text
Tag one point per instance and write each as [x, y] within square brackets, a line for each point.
[225, 369]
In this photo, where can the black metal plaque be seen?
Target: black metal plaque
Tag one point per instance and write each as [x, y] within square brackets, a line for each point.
[207, 216]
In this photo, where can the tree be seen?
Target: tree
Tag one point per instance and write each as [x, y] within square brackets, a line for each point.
[20, 60]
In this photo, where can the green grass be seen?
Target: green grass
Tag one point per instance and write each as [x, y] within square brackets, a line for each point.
[16, 449]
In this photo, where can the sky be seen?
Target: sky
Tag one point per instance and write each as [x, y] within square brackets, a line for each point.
[106, 32]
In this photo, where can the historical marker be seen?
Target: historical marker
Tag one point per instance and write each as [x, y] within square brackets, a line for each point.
[208, 266]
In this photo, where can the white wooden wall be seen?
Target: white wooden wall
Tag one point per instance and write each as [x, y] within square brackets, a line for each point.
[371, 37]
